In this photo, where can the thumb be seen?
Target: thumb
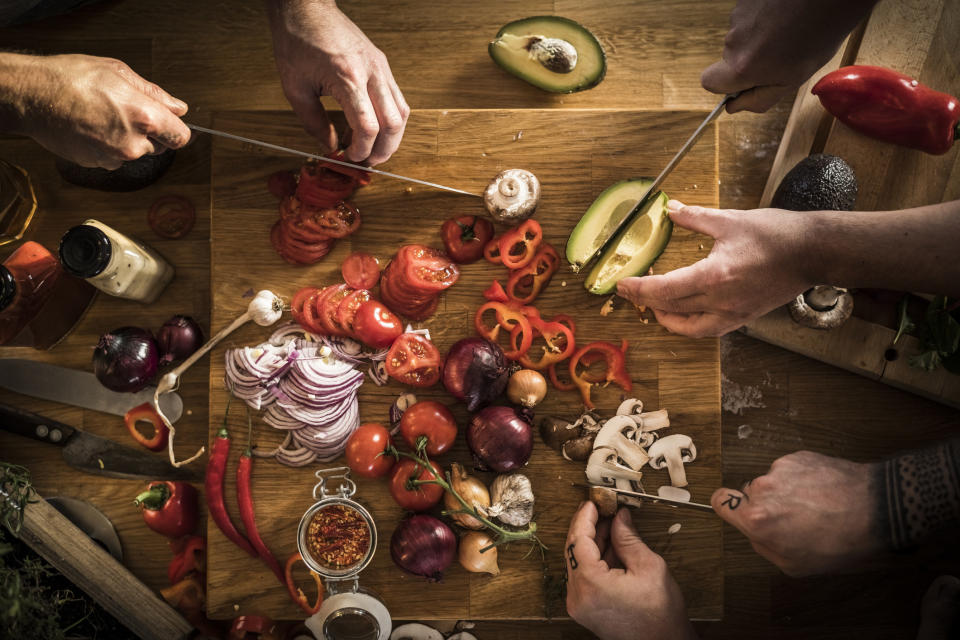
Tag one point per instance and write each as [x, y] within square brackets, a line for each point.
[628, 546]
[700, 219]
[733, 506]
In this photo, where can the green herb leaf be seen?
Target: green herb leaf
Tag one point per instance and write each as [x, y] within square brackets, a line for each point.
[944, 329]
[906, 324]
[928, 360]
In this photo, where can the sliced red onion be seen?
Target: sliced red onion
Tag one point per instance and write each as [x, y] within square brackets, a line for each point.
[378, 373]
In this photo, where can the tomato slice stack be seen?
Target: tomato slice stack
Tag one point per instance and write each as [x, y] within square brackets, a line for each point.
[316, 213]
[411, 284]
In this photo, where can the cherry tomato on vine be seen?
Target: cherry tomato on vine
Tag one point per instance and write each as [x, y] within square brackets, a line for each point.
[420, 497]
[364, 449]
[433, 420]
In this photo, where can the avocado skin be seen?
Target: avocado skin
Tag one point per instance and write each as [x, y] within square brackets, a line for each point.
[131, 176]
[818, 182]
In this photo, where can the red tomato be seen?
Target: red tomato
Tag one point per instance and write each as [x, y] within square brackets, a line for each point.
[420, 497]
[360, 270]
[414, 360]
[376, 326]
[327, 304]
[465, 237]
[431, 420]
[364, 449]
[281, 184]
[319, 187]
[336, 221]
[347, 309]
[425, 270]
[296, 305]
[308, 314]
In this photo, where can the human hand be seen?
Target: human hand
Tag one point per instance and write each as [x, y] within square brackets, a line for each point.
[810, 514]
[758, 262]
[774, 46]
[95, 111]
[616, 586]
[319, 51]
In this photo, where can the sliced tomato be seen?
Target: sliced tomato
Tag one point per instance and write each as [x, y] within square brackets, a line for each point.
[360, 270]
[375, 325]
[465, 237]
[171, 216]
[405, 305]
[326, 308]
[320, 187]
[347, 309]
[337, 222]
[414, 360]
[360, 178]
[281, 184]
[308, 318]
[426, 269]
[296, 305]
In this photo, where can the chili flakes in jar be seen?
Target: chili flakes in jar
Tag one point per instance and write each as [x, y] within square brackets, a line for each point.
[338, 536]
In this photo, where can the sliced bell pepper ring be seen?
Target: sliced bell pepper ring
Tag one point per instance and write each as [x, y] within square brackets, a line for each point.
[518, 247]
[534, 277]
[495, 292]
[145, 412]
[558, 340]
[616, 368]
[558, 384]
[189, 557]
[491, 251]
[510, 318]
[296, 594]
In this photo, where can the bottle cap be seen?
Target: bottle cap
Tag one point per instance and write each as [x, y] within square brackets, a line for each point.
[85, 251]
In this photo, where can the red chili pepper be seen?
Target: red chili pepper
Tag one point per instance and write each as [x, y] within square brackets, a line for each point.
[147, 413]
[495, 292]
[508, 317]
[296, 594]
[535, 275]
[262, 626]
[247, 515]
[891, 107]
[188, 557]
[216, 469]
[558, 340]
[616, 367]
[519, 246]
[169, 508]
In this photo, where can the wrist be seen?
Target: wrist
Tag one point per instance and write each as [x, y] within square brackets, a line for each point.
[817, 259]
[17, 90]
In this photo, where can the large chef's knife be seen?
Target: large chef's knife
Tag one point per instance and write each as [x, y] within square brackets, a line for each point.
[78, 388]
[304, 154]
[654, 189]
[648, 496]
[91, 453]
[91, 521]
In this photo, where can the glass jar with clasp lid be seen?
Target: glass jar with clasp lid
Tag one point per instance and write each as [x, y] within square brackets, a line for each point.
[337, 539]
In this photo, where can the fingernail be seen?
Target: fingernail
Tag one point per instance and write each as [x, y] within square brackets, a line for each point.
[674, 206]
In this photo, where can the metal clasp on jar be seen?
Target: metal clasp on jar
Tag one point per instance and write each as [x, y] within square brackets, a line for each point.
[345, 486]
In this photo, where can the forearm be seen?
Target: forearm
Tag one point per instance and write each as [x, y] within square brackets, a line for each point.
[920, 495]
[908, 250]
[16, 89]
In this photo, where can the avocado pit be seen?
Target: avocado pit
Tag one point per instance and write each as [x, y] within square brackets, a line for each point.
[554, 54]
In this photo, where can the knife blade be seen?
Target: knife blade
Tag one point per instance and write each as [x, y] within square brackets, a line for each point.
[648, 496]
[89, 452]
[654, 188]
[77, 388]
[91, 521]
[304, 154]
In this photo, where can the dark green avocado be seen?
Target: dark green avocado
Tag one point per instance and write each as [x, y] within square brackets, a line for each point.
[131, 176]
[818, 182]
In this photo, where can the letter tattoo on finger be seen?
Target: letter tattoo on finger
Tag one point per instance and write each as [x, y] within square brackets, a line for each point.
[571, 558]
[733, 501]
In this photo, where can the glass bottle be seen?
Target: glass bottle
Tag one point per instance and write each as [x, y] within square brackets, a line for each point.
[18, 203]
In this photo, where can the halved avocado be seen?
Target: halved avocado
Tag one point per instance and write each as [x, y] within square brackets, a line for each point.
[538, 50]
[602, 218]
[635, 250]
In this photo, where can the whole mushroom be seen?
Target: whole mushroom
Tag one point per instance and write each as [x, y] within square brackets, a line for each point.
[512, 196]
[822, 307]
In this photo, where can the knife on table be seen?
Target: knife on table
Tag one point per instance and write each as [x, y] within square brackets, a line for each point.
[91, 521]
[650, 497]
[89, 452]
[654, 189]
[78, 388]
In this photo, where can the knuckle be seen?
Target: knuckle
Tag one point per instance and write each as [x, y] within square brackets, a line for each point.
[368, 129]
[404, 110]
[392, 124]
[128, 153]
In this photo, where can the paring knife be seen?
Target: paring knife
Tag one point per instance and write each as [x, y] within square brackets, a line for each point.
[654, 189]
[78, 388]
[91, 521]
[91, 453]
[304, 154]
[648, 496]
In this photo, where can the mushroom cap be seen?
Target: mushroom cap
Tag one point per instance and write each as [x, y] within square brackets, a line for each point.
[808, 315]
[618, 433]
[606, 500]
[512, 196]
[659, 449]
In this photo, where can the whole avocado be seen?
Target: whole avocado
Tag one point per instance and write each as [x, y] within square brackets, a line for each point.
[818, 182]
[131, 176]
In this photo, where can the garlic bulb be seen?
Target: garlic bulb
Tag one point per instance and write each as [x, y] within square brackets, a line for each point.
[512, 497]
[512, 196]
[527, 388]
[471, 557]
[473, 493]
[265, 308]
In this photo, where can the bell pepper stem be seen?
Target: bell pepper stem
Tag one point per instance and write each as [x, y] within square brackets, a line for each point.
[153, 498]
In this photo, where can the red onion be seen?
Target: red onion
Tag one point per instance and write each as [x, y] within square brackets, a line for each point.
[500, 438]
[178, 338]
[424, 546]
[126, 359]
[476, 372]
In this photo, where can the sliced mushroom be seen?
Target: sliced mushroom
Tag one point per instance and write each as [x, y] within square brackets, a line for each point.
[649, 422]
[606, 500]
[822, 307]
[462, 635]
[629, 485]
[578, 449]
[603, 468]
[671, 452]
[674, 493]
[629, 407]
[554, 54]
[415, 631]
[512, 196]
[617, 433]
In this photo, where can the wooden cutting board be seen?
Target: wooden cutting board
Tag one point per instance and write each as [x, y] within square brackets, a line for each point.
[576, 154]
[920, 38]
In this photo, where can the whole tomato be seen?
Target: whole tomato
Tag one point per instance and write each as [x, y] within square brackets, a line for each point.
[365, 451]
[420, 497]
[431, 420]
[464, 237]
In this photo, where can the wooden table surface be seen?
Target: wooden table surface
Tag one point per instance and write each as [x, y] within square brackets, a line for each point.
[217, 56]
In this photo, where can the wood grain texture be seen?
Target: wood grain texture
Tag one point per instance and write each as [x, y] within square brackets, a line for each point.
[466, 148]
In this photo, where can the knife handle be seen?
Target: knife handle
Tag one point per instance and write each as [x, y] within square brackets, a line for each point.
[32, 425]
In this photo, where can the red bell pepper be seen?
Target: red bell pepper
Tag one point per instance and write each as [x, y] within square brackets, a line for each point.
[189, 598]
[559, 384]
[892, 107]
[509, 317]
[558, 343]
[188, 557]
[263, 627]
[147, 413]
[616, 372]
[169, 508]
[495, 292]
[491, 251]
[296, 594]
[519, 246]
[534, 277]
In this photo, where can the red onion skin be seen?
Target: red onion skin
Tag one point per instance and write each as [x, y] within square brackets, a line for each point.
[178, 338]
[423, 546]
[500, 438]
[475, 371]
[126, 359]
